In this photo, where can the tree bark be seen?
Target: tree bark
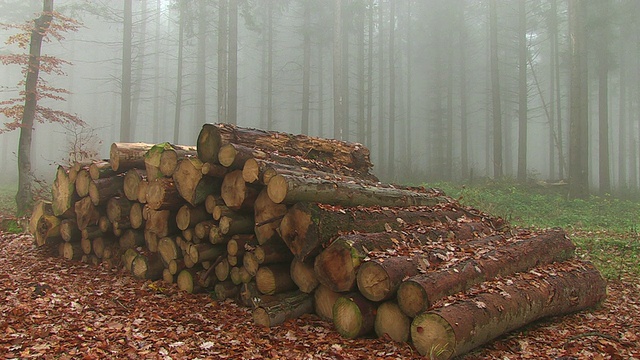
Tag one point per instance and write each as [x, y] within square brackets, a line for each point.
[420, 292]
[291, 189]
[288, 306]
[101, 190]
[213, 136]
[514, 302]
[125, 156]
[307, 227]
[353, 315]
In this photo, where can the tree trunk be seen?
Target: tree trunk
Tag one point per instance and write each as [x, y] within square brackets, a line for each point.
[391, 167]
[307, 227]
[191, 184]
[513, 302]
[391, 321]
[289, 306]
[24, 197]
[232, 94]
[274, 279]
[213, 136]
[222, 60]
[379, 279]
[338, 84]
[125, 156]
[234, 156]
[291, 189]
[353, 315]
[420, 292]
[125, 94]
[178, 105]
[495, 91]
[63, 194]
[522, 92]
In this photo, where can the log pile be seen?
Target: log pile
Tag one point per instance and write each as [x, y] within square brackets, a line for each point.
[292, 224]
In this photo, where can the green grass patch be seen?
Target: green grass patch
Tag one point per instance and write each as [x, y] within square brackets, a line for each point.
[605, 229]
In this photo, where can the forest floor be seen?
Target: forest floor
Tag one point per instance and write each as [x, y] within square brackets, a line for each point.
[58, 309]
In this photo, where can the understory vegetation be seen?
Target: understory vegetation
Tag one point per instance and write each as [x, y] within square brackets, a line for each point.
[604, 229]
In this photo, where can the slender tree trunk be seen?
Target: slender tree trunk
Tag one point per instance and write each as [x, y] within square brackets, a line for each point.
[448, 146]
[522, 92]
[361, 127]
[409, 93]
[603, 122]
[495, 90]
[464, 124]
[223, 42]
[391, 167]
[552, 102]
[156, 76]
[623, 155]
[232, 97]
[578, 127]
[369, 135]
[558, 106]
[201, 70]
[321, 87]
[140, 60]
[346, 21]
[381, 143]
[178, 109]
[338, 83]
[306, 68]
[270, 67]
[24, 197]
[125, 94]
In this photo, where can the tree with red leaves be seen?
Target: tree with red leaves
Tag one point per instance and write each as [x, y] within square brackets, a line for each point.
[23, 110]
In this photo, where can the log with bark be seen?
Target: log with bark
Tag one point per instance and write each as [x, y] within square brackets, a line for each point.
[162, 194]
[71, 251]
[40, 208]
[161, 222]
[48, 230]
[274, 279]
[64, 194]
[379, 279]
[226, 290]
[504, 305]
[100, 169]
[100, 244]
[236, 193]
[101, 190]
[169, 250]
[69, 231]
[188, 216]
[308, 227]
[205, 252]
[132, 180]
[291, 189]
[136, 216]
[131, 239]
[143, 188]
[353, 315]
[214, 170]
[162, 159]
[147, 266]
[303, 276]
[524, 252]
[234, 156]
[213, 136]
[290, 305]
[118, 210]
[187, 280]
[237, 223]
[125, 156]
[336, 266]
[239, 244]
[191, 184]
[392, 322]
[268, 216]
[82, 182]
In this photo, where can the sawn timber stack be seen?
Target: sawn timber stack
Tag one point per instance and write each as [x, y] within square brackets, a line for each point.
[293, 224]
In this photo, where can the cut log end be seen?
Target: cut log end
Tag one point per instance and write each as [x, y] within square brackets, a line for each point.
[392, 322]
[433, 336]
[335, 268]
[277, 189]
[412, 298]
[347, 318]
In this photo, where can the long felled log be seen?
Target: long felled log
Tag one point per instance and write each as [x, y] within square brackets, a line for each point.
[379, 279]
[191, 184]
[125, 156]
[213, 136]
[336, 266]
[288, 306]
[506, 305]
[100, 169]
[353, 315]
[64, 194]
[307, 227]
[418, 293]
[291, 189]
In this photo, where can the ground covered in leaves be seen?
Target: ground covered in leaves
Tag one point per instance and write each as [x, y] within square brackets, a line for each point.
[57, 309]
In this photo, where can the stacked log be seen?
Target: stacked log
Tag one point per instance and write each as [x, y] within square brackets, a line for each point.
[293, 224]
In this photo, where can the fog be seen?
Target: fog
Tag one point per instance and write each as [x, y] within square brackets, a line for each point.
[432, 85]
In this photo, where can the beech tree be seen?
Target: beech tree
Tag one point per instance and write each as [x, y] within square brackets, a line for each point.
[24, 110]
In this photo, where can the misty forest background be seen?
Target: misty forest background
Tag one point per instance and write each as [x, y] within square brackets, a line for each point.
[439, 90]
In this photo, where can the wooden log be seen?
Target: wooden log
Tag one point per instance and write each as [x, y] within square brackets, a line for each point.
[48, 230]
[392, 322]
[169, 250]
[216, 236]
[214, 170]
[222, 210]
[175, 266]
[87, 214]
[268, 216]
[100, 244]
[92, 232]
[127, 258]
[421, 291]
[83, 179]
[104, 224]
[379, 279]
[191, 184]
[118, 210]
[64, 194]
[203, 228]
[274, 278]
[303, 276]
[353, 315]
[250, 263]
[71, 250]
[291, 189]
[324, 299]
[161, 222]
[136, 218]
[234, 156]
[132, 180]
[40, 208]
[69, 231]
[287, 306]
[226, 290]
[168, 277]
[248, 294]
[205, 252]
[275, 251]
[239, 244]
[100, 169]
[211, 201]
[86, 245]
[213, 136]
[162, 194]
[125, 156]
[222, 269]
[131, 239]
[236, 193]
[236, 224]
[513, 302]
[151, 241]
[148, 266]
[188, 216]
[187, 281]
[143, 188]
[101, 190]
[170, 157]
[307, 227]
